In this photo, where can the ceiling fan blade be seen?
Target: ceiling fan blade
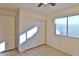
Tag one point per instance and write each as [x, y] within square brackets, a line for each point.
[40, 4]
[53, 4]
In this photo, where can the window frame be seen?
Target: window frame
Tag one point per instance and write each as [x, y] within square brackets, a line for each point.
[67, 26]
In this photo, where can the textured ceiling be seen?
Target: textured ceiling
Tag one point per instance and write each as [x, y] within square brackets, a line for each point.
[33, 6]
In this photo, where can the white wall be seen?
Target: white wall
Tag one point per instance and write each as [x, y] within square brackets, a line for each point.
[29, 20]
[8, 12]
[66, 44]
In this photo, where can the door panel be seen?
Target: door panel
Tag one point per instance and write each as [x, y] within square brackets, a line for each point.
[7, 32]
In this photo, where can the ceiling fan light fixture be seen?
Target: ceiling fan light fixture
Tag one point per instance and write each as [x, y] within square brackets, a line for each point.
[45, 3]
[52, 4]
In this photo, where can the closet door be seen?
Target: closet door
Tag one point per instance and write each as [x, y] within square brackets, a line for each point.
[7, 32]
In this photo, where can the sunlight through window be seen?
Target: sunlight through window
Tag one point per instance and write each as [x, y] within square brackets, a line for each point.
[22, 38]
[27, 35]
[31, 32]
[2, 46]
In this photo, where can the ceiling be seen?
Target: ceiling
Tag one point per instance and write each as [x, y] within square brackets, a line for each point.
[33, 6]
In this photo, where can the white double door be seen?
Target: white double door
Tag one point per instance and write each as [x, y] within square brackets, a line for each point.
[7, 31]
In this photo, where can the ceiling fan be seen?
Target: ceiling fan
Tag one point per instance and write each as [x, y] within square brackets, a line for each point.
[52, 4]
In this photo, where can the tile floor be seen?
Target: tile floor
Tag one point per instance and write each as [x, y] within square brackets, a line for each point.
[43, 50]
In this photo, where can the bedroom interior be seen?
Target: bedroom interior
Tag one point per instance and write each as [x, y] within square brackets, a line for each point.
[39, 29]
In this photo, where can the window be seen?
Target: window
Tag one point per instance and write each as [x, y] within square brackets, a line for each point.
[61, 26]
[68, 26]
[57, 32]
[31, 32]
[28, 35]
[2, 46]
[73, 26]
[22, 38]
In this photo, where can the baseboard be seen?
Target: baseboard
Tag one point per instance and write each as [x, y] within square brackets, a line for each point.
[33, 47]
[7, 50]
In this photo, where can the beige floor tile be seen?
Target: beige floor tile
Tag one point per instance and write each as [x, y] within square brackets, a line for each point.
[43, 50]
